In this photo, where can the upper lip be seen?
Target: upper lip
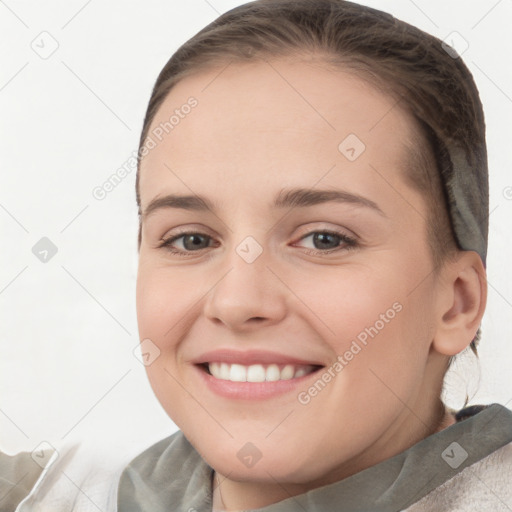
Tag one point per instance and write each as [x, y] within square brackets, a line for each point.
[249, 357]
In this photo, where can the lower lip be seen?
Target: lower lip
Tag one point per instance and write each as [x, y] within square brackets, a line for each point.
[252, 390]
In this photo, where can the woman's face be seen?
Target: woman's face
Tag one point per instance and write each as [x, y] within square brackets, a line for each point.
[305, 271]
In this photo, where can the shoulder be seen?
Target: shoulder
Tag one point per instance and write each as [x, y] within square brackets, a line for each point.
[169, 460]
[486, 484]
[149, 460]
[170, 471]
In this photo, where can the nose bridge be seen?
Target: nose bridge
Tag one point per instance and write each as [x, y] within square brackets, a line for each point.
[248, 289]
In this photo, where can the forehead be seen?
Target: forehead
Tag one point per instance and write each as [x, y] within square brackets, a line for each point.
[273, 120]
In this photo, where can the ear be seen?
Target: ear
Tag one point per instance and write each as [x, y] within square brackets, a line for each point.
[462, 297]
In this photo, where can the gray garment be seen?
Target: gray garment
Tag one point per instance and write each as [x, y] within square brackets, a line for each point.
[171, 475]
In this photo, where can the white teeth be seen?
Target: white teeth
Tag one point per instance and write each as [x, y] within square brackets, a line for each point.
[224, 371]
[238, 373]
[257, 372]
[215, 370]
[273, 373]
[300, 372]
[287, 372]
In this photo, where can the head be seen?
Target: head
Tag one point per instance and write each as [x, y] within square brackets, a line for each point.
[325, 95]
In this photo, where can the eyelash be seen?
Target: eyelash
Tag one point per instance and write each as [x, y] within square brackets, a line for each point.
[350, 242]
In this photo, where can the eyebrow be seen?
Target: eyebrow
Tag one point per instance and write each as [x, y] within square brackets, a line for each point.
[286, 198]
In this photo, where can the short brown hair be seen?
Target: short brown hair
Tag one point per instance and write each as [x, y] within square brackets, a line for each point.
[403, 61]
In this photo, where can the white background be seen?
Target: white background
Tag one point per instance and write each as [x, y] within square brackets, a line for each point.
[68, 327]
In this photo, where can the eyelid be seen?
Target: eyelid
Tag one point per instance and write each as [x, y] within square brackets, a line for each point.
[165, 242]
[189, 228]
[315, 227]
[202, 230]
[347, 242]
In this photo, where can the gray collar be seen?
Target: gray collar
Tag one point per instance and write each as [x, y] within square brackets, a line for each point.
[172, 476]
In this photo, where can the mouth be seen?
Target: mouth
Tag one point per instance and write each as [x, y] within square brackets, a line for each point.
[257, 373]
[253, 375]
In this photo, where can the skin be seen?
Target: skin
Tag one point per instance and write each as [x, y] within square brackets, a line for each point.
[252, 134]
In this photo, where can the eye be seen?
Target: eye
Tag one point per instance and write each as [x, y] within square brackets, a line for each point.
[325, 242]
[191, 242]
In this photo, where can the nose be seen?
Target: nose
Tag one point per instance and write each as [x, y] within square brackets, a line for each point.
[248, 295]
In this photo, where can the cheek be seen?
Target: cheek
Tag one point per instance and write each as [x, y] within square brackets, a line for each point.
[162, 306]
[163, 298]
[348, 302]
[373, 325]
[163, 312]
[373, 322]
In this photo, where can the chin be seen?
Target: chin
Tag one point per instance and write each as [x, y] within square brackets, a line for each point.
[250, 464]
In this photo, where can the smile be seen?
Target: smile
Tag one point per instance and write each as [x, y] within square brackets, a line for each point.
[258, 372]
[253, 374]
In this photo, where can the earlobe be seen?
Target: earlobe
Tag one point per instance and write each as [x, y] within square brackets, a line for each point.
[462, 304]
